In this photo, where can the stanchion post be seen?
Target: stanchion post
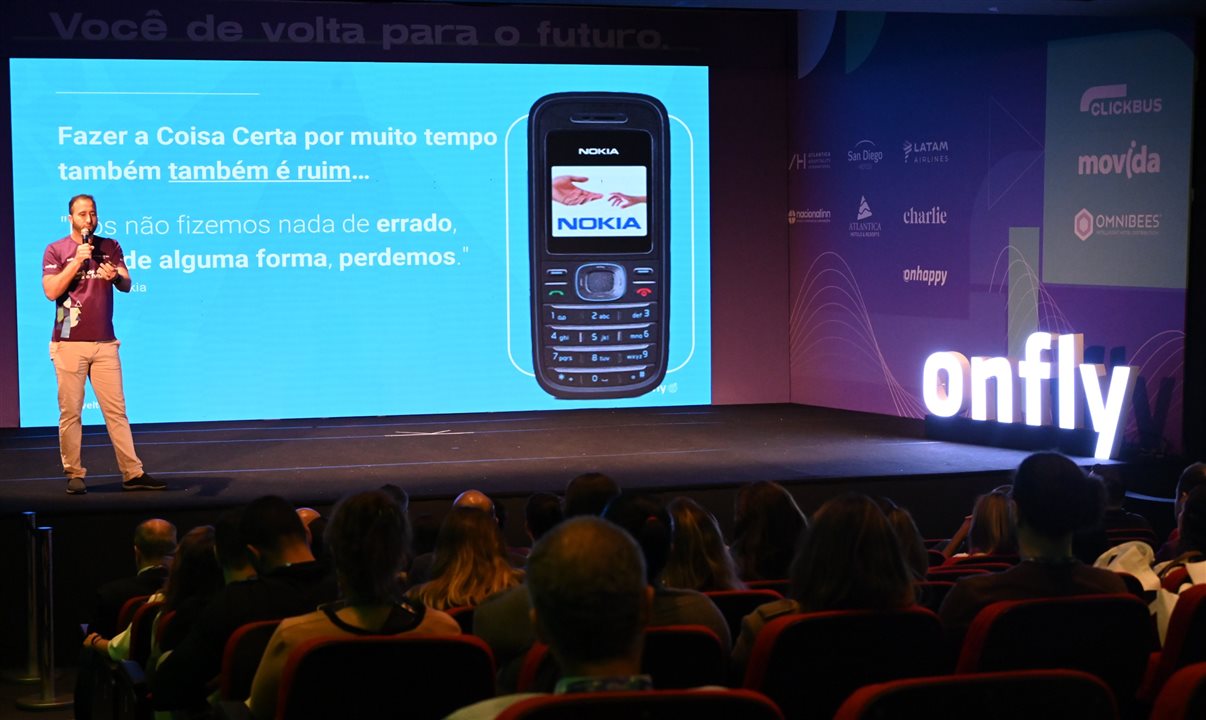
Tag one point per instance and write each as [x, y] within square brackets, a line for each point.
[29, 674]
[44, 577]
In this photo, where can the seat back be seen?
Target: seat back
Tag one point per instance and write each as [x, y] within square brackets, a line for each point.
[675, 657]
[241, 658]
[1030, 694]
[463, 616]
[736, 604]
[951, 573]
[164, 633]
[1109, 636]
[140, 632]
[126, 615]
[1183, 697]
[683, 657]
[931, 593]
[780, 586]
[809, 663]
[694, 704]
[1008, 559]
[416, 676]
[1185, 641]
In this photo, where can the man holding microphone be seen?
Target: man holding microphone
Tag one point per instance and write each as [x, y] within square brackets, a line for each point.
[79, 273]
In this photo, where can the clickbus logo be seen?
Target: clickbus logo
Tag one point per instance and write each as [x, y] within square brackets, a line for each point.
[1106, 100]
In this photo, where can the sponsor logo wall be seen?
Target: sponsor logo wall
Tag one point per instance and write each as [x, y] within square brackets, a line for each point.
[1038, 184]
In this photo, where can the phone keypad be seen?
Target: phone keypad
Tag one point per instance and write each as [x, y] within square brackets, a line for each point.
[600, 345]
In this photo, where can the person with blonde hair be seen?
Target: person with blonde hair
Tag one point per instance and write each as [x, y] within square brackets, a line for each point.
[470, 562]
[699, 559]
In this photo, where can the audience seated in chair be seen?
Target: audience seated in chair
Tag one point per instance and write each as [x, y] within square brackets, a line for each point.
[912, 545]
[699, 559]
[848, 559]
[154, 545]
[767, 523]
[1191, 477]
[422, 567]
[470, 562]
[990, 530]
[367, 539]
[590, 603]
[1053, 497]
[289, 582]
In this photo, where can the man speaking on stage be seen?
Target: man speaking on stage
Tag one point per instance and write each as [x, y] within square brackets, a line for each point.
[79, 273]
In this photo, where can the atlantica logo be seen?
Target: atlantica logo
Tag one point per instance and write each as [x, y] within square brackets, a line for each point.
[1135, 161]
[1104, 100]
[862, 229]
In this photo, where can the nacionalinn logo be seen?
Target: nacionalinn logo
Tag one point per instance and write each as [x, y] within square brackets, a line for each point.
[863, 227]
[925, 152]
[865, 154]
[1087, 224]
[1135, 161]
[1103, 100]
[808, 215]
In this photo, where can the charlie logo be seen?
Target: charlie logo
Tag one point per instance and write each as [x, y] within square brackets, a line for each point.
[1104, 100]
[1135, 161]
[933, 216]
[948, 376]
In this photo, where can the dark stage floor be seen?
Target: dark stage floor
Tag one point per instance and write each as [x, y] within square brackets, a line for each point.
[316, 461]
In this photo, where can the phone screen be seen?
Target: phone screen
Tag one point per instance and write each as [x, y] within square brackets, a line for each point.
[598, 191]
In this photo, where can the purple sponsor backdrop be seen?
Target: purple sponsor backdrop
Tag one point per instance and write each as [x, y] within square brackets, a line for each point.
[747, 55]
[916, 217]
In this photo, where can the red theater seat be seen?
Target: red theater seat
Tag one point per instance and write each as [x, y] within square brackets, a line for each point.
[687, 704]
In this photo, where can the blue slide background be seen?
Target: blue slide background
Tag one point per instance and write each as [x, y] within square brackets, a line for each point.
[324, 342]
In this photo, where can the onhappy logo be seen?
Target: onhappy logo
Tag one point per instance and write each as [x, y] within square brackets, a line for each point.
[1084, 224]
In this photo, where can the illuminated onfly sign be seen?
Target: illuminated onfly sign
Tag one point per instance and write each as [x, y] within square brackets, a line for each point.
[950, 383]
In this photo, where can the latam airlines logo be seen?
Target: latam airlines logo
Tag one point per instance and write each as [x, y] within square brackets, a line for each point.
[598, 151]
[926, 152]
[865, 154]
[863, 227]
[1087, 224]
[1106, 100]
[1135, 161]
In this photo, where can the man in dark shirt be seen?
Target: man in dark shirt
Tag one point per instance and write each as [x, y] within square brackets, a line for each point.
[154, 546]
[290, 583]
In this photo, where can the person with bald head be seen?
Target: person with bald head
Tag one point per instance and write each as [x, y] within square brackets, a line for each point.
[475, 499]
[590, 604]
[154, 545]
[154, 548]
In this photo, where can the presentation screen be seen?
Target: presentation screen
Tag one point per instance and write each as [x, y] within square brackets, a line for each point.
[329, 239]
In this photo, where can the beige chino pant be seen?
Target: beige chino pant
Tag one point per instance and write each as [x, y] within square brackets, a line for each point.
[75, 363]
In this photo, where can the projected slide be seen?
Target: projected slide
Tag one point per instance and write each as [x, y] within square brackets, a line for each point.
[324, 239]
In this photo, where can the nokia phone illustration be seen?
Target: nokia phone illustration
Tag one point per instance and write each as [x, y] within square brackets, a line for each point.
[599, 225]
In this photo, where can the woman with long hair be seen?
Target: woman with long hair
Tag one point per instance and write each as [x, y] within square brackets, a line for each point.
[470, 564]
[766, 525]
[699, 559]
[367, 538]
[848, 559]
